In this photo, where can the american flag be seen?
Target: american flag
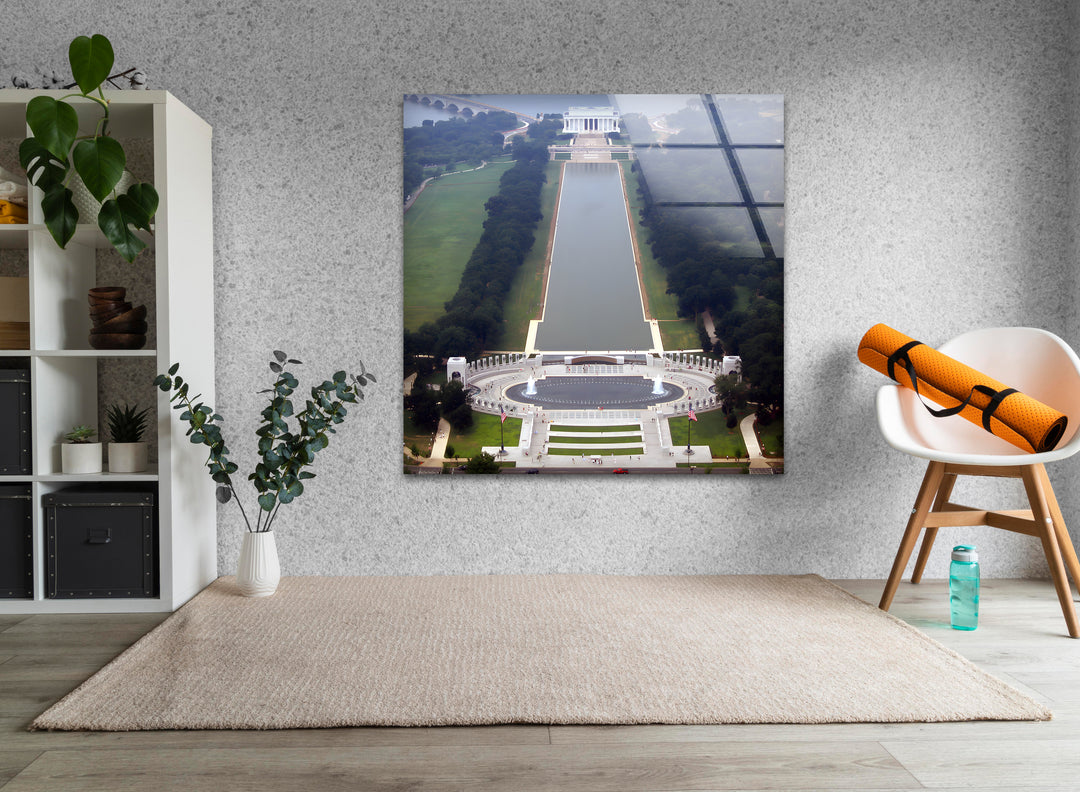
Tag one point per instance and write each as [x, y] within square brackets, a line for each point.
[503, 414]
[692, 416]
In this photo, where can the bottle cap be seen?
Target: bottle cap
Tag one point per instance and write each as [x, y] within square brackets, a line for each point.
[965, 554]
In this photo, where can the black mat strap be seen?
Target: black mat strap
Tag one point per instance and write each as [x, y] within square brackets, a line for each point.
[899, 355]
[996, 397]
[995, 402]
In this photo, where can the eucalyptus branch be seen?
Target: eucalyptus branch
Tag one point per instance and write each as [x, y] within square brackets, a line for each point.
[283, 451]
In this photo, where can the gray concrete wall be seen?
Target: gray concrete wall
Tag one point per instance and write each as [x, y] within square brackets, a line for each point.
[928, 151]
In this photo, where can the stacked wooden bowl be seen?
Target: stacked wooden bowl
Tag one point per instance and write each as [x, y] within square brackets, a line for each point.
[116, 324]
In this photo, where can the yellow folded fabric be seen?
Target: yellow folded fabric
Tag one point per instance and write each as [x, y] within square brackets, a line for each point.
[9, 220]
[8, 209]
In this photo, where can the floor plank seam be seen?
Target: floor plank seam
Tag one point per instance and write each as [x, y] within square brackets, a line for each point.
[904, 767]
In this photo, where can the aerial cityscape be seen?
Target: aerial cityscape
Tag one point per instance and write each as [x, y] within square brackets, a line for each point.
[593, 284]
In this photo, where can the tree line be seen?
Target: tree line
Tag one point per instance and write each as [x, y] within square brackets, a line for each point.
[704, 254]
[474, 315]
[453, 140]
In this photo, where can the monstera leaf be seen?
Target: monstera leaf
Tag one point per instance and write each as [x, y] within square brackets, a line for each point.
[61, 216]
[91, 59]
[117, 218]
[48, 157]
[54, 124]
[100, 162]
[42, 167]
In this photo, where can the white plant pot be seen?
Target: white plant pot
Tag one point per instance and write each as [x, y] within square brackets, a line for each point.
[80, 458]
[90, 207]
[259, 572]
[127, 457]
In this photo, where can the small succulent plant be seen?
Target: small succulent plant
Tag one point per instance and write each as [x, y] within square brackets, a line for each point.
[127, 424]
[81, 434]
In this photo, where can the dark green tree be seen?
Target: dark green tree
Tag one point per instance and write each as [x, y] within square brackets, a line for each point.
[482, 463]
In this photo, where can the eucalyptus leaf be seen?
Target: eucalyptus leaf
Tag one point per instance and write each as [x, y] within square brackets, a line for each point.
[91, 60]
[224, 494]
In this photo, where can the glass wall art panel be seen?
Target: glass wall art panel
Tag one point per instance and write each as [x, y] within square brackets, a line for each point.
[593, 284]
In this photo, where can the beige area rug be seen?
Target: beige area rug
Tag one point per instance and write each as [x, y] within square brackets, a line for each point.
[411, 651]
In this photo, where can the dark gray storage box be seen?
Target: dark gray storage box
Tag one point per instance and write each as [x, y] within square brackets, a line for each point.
[16, 542]
[14, 422]
[100, 543]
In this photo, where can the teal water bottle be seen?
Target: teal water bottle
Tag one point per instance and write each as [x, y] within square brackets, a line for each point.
[964, 587]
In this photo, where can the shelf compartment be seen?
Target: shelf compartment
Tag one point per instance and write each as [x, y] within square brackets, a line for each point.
[16, 542]
[16, 236]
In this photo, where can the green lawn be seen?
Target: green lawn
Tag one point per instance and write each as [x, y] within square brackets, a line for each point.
[682, 334]
[743, 296]
[744, 465]
[710, 428]
[441, 230]
[564, 428]
[522, 304]
[484, 432]
[413, 434]
[661, 304]
[596, 441]
[772, 437]
[606, 452]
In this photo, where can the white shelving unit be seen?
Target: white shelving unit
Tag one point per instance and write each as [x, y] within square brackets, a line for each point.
[64, 369]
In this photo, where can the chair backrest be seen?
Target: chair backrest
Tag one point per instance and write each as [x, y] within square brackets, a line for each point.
[1033, 361]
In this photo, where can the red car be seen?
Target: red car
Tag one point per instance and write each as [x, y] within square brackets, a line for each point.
[620, 470]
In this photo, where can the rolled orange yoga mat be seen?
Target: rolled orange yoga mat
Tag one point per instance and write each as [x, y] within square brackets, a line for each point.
[1025, 422]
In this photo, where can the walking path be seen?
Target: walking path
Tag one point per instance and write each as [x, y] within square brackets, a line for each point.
[438, 448]
[753, 448]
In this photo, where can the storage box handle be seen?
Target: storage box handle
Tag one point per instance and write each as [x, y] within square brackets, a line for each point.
[99, 535]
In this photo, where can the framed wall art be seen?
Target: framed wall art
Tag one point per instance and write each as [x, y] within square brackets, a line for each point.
[593, 283]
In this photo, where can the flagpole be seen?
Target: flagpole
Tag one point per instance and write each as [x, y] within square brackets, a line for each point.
[502, 420]
[688, 425]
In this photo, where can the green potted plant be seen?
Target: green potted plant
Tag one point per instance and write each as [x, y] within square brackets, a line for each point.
[127, 451]
[56, 154]
[80, 454]
[288, 440]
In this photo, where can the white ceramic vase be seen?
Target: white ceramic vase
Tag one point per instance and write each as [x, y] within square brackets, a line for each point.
[259, 572]
[80, 458]
[127, 457]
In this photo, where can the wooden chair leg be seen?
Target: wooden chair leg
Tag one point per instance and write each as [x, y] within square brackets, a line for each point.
[943, 494]
[1065, 543]
[1040, 510]
[930, 483]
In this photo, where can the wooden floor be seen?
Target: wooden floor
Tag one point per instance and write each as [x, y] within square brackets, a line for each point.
[1021, 638]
